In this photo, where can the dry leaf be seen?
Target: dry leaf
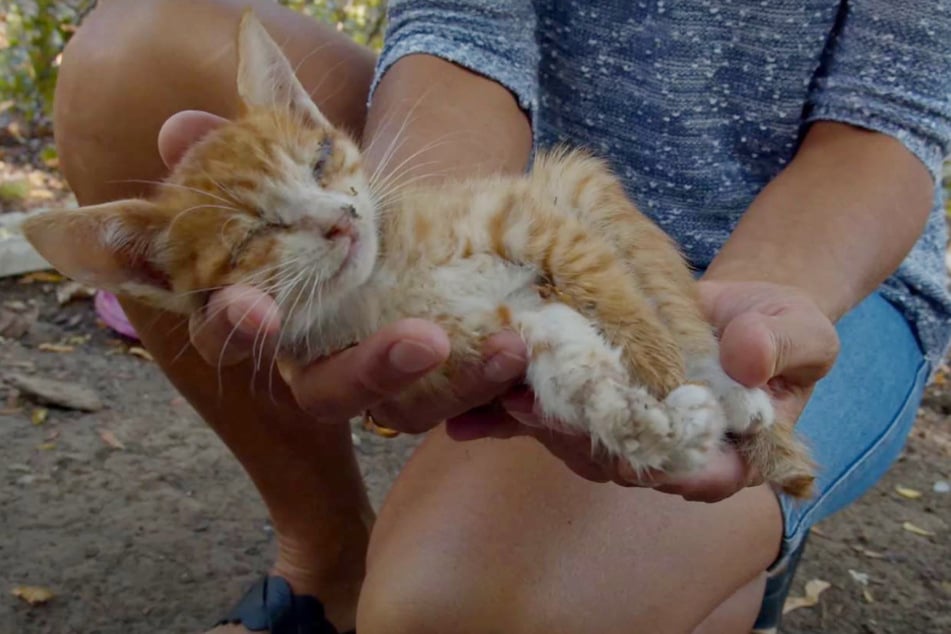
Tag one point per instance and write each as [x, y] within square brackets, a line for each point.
[917, 530]
[34, 595]
[142, 353]
[905, 492]
[814, 587]
[39, 415]
[46, 446]
[58, 393]
[16, 319]
[871, 554]
[45, 277]
[55, 347]
[859, 577]
[53, 435]
[77, 340]
[110, 439]
[867, 594]
[71, 291]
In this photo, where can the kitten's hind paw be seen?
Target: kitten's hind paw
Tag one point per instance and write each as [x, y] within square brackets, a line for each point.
[697, 425]
[746, 409]
[781, 458]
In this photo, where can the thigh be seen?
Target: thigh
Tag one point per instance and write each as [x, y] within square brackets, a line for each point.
[499, 536]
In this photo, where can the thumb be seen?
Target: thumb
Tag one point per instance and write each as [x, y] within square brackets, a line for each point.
[182, 130]
[799, 343]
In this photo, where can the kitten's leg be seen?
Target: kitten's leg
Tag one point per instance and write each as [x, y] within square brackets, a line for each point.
[587, 275]
[581, 381]
[589, 191]
[653, 261]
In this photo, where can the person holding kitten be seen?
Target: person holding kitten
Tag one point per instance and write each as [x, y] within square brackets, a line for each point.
[793, 152]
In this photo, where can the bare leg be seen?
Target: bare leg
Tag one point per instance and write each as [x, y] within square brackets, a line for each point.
[498, 536]
[130, 66]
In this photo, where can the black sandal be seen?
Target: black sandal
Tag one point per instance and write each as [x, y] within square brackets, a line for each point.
[270, 605]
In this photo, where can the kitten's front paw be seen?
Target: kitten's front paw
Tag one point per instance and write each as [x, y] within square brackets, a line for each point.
[697, 425]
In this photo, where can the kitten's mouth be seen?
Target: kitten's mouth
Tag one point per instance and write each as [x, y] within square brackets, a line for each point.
[351, 249]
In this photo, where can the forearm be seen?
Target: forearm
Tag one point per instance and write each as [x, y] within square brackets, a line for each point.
[433, 119]
[836, 222]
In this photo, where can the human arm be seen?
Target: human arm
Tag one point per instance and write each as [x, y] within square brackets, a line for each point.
[847, 210]
[840, 217]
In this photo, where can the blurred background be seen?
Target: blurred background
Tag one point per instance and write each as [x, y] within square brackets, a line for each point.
[33, 34]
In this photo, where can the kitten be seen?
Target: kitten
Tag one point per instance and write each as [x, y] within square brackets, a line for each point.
[279, 199]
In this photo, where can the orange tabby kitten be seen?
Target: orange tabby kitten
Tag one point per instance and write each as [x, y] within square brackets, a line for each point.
[279, 199]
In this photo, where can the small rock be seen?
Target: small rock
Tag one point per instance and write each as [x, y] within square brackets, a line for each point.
[58, 393]
[16, 319]
[939, 401]
[941, 486]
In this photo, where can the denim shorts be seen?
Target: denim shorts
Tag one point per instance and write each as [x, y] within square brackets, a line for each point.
[856, 424]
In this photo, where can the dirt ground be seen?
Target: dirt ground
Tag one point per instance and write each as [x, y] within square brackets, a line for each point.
[139, 521]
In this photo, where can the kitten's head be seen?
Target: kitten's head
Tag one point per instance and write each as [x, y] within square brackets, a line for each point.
[277, 199]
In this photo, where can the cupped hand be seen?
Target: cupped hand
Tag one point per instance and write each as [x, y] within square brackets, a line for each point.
[771, 336]
[240, 321]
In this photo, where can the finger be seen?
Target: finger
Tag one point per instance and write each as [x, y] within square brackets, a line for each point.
[352, 381]
[726, 474]
[236, 322]
[182, 130]
[798, 344]
[504, 362]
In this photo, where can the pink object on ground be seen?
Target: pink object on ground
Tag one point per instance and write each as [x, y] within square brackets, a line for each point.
[110, 312]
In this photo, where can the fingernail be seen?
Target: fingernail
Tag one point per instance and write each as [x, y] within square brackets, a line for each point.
[411, 357]
[503, 367]
[527, 420]
[242, 320]
[285, 369]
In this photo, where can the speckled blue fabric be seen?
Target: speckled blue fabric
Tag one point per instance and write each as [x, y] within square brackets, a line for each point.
[698, 104]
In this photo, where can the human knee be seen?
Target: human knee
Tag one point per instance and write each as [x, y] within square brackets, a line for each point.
[418, 601]
[135, 50]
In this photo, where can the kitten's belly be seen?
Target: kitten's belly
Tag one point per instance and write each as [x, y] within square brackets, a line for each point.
[468, 289]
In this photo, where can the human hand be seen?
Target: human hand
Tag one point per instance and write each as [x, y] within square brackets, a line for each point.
[770, 335]
[240, 321]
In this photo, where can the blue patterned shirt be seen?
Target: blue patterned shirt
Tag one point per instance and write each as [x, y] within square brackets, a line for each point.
[698, 104]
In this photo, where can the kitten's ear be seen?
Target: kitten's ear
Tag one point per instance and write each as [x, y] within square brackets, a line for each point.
[112, 246]
[265, 76]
